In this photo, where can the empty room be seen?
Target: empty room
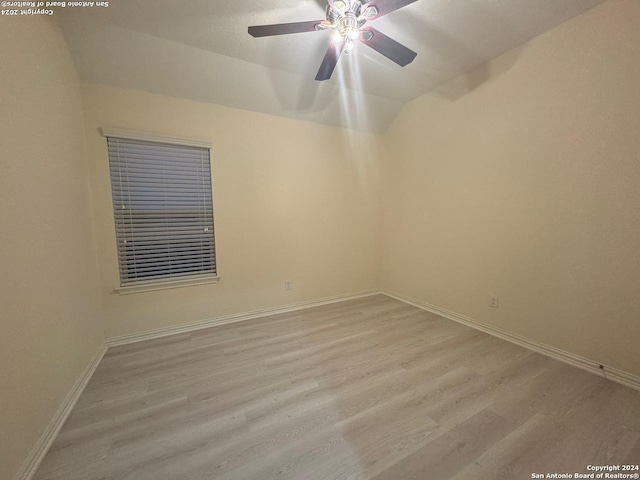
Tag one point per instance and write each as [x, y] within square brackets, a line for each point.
[319, 239]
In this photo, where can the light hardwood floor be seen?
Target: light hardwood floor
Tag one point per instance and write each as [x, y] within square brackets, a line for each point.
[365, 389]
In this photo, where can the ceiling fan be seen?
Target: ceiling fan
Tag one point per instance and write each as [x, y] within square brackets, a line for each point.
[349, 21]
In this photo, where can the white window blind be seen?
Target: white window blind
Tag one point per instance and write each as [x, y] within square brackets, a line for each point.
[163, 209]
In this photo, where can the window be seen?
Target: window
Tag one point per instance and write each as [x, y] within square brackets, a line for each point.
[163, 210]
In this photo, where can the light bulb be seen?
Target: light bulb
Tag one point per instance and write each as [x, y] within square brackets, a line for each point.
[348, 48]
[353, 34]
[336, 37]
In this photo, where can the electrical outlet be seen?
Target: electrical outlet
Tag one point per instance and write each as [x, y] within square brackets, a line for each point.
[493, 301]
[288, 285]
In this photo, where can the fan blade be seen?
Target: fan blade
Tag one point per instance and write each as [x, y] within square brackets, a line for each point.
[385, 7]
[387, 46]
[284, 28]
[329, 61]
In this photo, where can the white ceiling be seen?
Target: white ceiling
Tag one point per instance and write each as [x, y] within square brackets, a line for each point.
[200, 50]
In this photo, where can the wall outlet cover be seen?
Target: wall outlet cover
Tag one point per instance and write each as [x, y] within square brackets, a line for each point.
[493, 301]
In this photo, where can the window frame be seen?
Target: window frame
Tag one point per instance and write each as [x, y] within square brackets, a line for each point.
[166, 282]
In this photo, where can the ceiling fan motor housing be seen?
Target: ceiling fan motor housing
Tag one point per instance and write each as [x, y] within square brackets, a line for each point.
[334, 14]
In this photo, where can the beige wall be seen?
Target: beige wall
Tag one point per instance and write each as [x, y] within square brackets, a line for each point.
[51, 323]
[292, 202]
[528, 186]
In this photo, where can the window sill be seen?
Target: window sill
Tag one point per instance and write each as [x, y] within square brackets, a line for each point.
[151, 287]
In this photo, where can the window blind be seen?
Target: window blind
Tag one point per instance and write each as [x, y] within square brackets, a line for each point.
[163, 210]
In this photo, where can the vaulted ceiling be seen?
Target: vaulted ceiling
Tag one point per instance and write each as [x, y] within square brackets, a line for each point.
[200, 50]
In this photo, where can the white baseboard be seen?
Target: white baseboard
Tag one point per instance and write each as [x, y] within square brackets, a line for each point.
[43, 444]
[239, 317]
[592, 366]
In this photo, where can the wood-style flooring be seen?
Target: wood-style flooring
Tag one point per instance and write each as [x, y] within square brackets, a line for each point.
[366, 389]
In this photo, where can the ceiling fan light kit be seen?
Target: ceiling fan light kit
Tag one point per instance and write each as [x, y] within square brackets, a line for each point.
[349, 21]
